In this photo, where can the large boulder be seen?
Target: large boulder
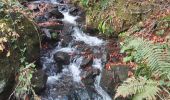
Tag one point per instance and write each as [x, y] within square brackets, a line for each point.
[112, 78]
[29, 39]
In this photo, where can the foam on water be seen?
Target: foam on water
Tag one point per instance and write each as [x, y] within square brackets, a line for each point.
[66, 49]
[75, 69]
[69, 18]
[53, 79]
[75, 72]
[54, 1]
[97, 63]
[90, 40]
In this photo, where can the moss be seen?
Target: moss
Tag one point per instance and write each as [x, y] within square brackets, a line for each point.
[10, 65]
[124, 13]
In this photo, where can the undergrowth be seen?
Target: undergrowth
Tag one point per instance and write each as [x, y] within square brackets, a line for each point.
[11, 13]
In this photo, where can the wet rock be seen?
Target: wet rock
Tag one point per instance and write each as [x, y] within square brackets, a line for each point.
[62, 58]
[87, 61]
[59, 67]
[39, 80]
[62, 87]
[48, 43]
[91, 31]
[66, 40]
[79, 94]
[57, 14]
[93, 93]
[81, 19]
[90, 75]
[63, 8]
[111, 78]
[74, 11]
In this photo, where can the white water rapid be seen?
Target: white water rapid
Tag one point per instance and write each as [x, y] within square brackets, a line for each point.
[73, 70]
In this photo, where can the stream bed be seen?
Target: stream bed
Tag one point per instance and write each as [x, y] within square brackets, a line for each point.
[72, 59]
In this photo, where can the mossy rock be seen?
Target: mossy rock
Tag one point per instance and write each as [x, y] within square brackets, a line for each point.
[111, 78]
[29, 38]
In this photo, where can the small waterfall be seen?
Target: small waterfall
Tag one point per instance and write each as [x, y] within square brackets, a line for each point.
[75, 69]
[90, 40]
[68, 18]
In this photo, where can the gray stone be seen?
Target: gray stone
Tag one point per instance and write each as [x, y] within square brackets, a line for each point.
[62, 58]
[39, 80]
[90, 75]
[112, 78]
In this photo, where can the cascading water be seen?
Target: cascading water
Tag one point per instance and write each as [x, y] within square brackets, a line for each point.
[67, 84]
[97, 63]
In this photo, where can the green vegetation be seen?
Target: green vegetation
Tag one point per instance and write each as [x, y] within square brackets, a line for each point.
[153, 69]
[117, 15]
[17, 45]
[96, 15]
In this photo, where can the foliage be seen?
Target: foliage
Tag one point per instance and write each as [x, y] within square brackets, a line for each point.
[153, 55]
[84, 2]
[153, 67]
[97, 7]
[11, 13]
[104, 28]
[142, 88]
[24, 86]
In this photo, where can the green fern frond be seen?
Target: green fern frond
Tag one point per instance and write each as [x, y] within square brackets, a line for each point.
[142, 88]
[152, 55]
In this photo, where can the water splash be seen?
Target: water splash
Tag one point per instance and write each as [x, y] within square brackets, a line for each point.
[53, 79]
[75, 69]
[90, 40]
[98, 64]
[66, 49]
[69, 18]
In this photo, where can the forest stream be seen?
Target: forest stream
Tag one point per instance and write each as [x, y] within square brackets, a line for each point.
[75, 62]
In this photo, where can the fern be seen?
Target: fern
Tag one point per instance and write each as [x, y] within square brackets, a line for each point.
[154, 56]
[142, 88]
